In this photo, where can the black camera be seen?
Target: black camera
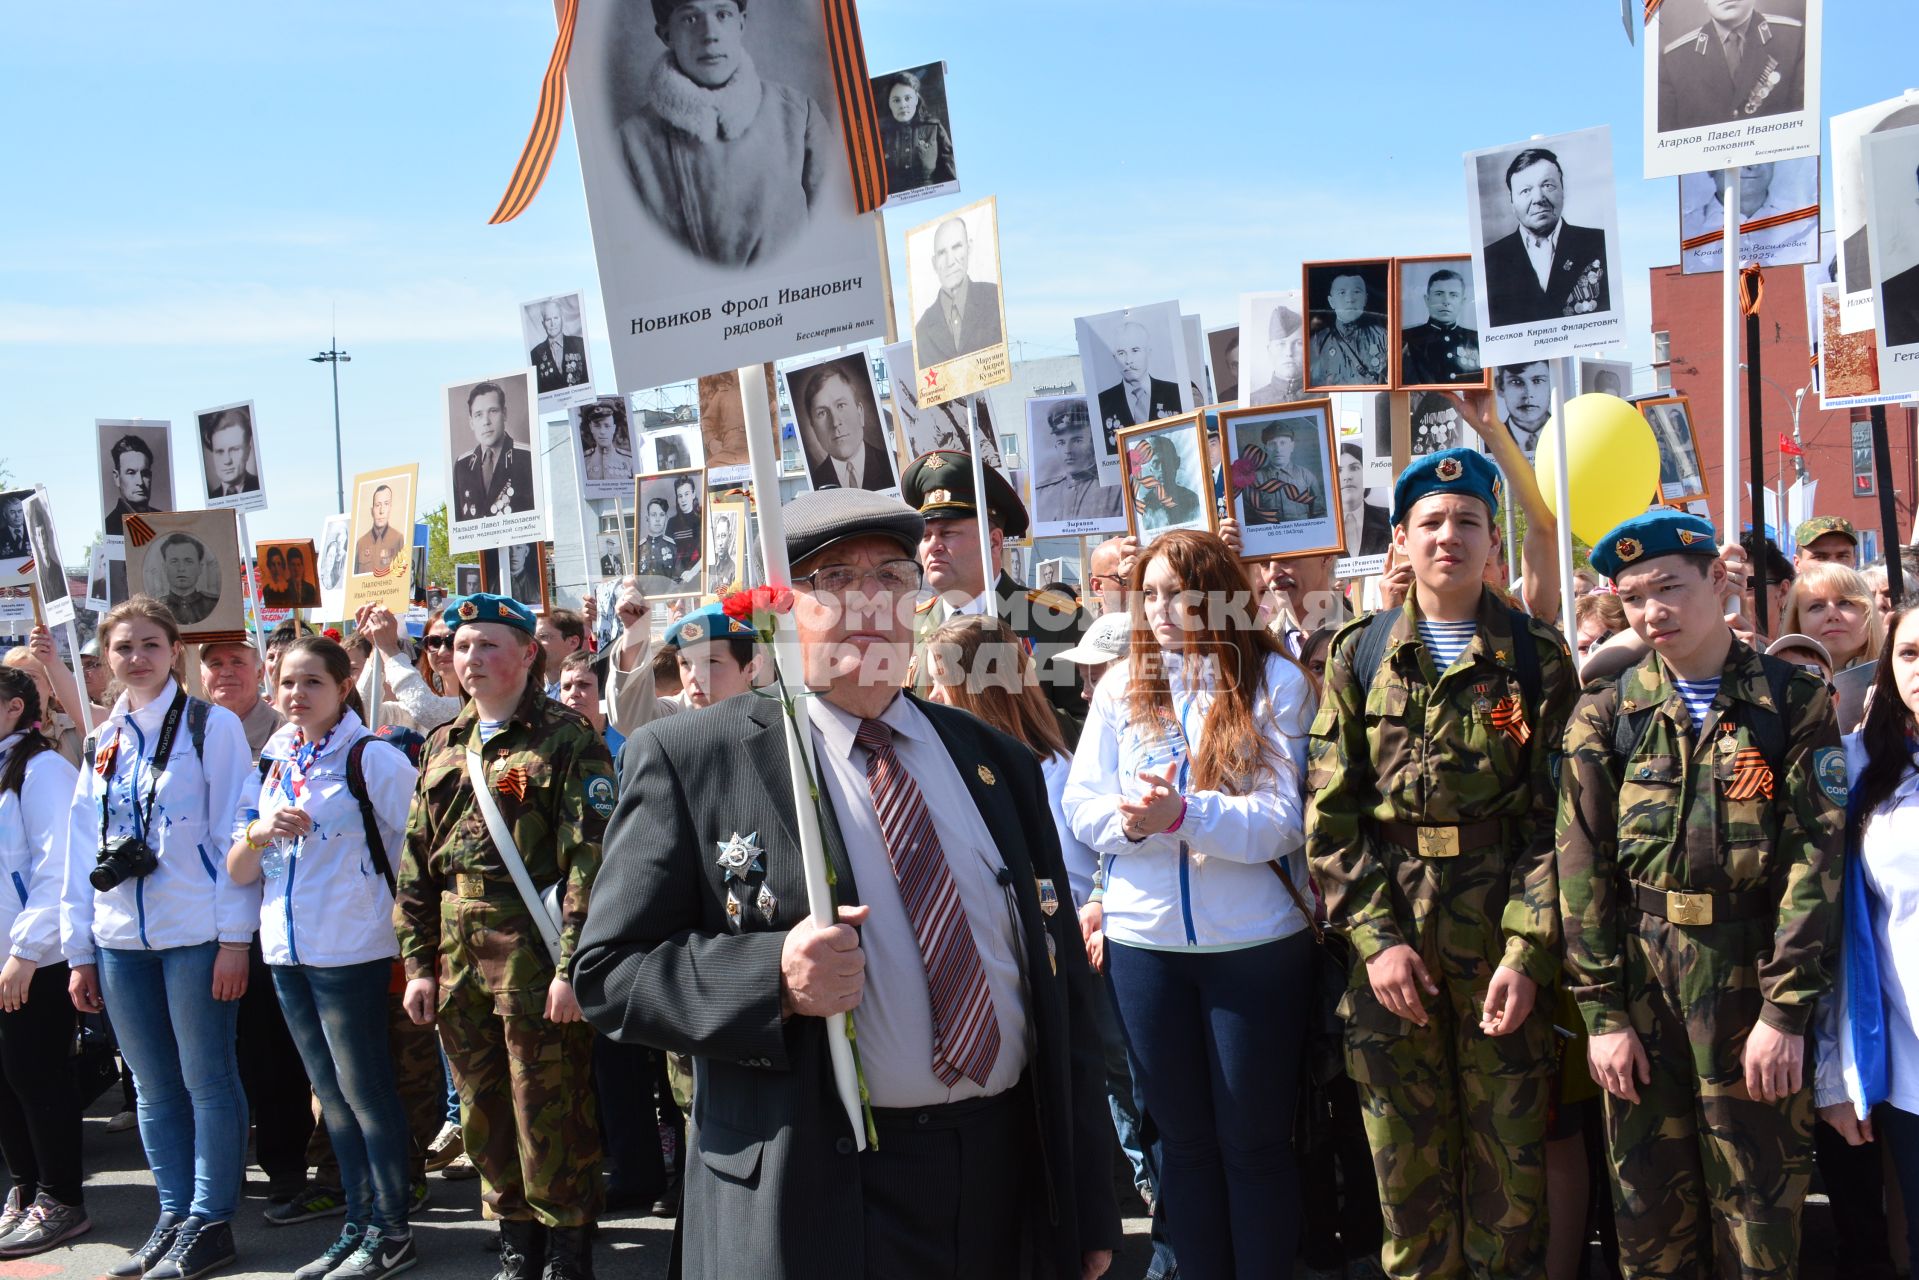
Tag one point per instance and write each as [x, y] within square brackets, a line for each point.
[127, 858]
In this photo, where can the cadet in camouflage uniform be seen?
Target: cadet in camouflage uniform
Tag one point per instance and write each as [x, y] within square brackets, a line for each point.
[1699, 865]
[1430, 836]
[520, 1053]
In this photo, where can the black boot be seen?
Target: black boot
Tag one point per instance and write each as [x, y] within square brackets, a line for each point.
[569, 1253]
[523, 1249]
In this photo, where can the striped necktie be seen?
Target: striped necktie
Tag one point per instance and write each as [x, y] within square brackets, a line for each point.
[965, 1028]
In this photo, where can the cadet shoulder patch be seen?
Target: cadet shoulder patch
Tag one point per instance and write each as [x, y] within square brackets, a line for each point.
[599, 794]
[1829, 771]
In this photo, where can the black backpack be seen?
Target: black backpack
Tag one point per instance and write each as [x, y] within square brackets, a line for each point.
[1768, 726]
[356, 783]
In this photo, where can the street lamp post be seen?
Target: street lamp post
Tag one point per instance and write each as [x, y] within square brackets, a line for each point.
[336, 357]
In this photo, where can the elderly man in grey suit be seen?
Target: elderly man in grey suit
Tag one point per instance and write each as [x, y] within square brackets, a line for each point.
[964, 317]
[968, 982]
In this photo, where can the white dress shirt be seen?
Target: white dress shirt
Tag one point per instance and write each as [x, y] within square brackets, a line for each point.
[1541, 251]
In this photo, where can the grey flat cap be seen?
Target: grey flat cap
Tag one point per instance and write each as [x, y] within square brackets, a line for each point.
[826, 517]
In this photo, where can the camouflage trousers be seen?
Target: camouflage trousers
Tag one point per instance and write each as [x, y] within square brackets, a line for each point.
[527, 1109]
[1456, 1119]
[1707, 1182]
[422, 1085]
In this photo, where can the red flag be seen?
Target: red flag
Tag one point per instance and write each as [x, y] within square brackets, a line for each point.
[1787, 447]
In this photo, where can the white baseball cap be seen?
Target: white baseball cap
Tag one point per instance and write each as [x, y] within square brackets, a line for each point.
[1105, 641]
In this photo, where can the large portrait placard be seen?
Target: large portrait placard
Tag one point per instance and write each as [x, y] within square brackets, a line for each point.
[1892, 202]
[494, 477]
[1071, 495]
[1730, 84]
[136, 468]
[49, 571]
[1281, 482]
[230, 457]
[1849, 215]
[554, 331]
[1134, 365]
[953, 287]
[836, 401]
[1778, 209]
[1272, 367]
[190, 562]
[604, 448]
[378, 568]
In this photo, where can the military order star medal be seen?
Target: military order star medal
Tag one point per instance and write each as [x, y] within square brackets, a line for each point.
[740, 856]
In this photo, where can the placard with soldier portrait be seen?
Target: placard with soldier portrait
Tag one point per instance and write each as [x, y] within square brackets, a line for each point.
[554, 331]
[230, 457]
[334, 536]
[379, 570]
[1523, 397]
[1071, 495]
[1134, 365]
[136, 469]
[1436, 330]
[714, 158]
[915, 136]
[940, 426]
[669, 545]
[1730, 82]
[723, 423]
[604, 447]
[1281, 485]
[1545, 234]
[1363, 427]
[1349, 324]
[1681, 478]
[836, 402]
[1778, 203]
[289, 573]
[517, 572]
[953, 292]
[466, 579]
[49, 570]
[493, 474]
[1605, 377]
[726, 544]
[1892, 203]
[190, 562]
[1222, 353]
[1272, 370]
[16, 548]
[1849, 209]
[1167, 477]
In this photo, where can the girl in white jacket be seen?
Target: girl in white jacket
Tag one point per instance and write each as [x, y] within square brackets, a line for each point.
[1187, 783]
[323, 842]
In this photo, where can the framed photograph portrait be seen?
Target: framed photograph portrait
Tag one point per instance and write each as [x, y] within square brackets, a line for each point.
[1892, 203]
[1071, 495]
[1681, 479]
[670, 542]
[953, 291]
[723, 422]
[914, 135]
[1272, 370]
[190, 561]
[726, 544]
[604, 447]
[492, 473]
[1362, 426]
[1436, 331]
[466, 579]
[136, 469]
[837, 404]
[49, 570]
[1605, 377]
[1349, 324]
[16, 548]
[289, 573]
[941, 426]
[230, 457]
[379, 570]
[1134, 364]
[1281, 479]
[1222, 354]
[1778, 203]
[1523, 397]
[1555, 191]
[554, 332]
[1849, 213]
[518, 572]
[1167, 477]
[1730, 82]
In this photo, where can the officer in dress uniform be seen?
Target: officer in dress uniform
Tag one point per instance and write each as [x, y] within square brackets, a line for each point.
[474, 955]
[1699, 850]
[1441, 350]
[940, 486]
[1284, 490]
[1742, 64]
[1430, 769]
[497, 477]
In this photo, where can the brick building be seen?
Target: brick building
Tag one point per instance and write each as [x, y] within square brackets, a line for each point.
[1687, 324]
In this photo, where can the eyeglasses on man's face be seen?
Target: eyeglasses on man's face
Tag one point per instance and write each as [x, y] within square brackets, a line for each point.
[894, 577]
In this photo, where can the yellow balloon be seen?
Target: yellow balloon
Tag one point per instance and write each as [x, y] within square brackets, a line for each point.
[1614, 464]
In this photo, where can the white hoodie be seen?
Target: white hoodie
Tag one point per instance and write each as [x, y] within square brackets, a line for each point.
[188, 899]
[33, 852]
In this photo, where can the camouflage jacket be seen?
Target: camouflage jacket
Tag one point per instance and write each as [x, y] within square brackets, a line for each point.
[553, 782]
[1427, 748]
[1702, 813]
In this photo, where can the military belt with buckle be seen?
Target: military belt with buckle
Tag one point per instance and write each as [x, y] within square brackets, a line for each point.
[1437, 841]
[1697, 909]
[469, 884]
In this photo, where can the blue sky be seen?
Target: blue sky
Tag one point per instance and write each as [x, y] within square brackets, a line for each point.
[195, 190]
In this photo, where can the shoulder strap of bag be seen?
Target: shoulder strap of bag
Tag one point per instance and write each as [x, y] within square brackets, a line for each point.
[510, 855]
[356, 783]
[1526, 663]
[1370, 649]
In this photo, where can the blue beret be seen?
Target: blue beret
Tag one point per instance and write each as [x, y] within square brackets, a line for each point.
[482, 607]
[1461, 471]
[710, 622]
[1664, 532]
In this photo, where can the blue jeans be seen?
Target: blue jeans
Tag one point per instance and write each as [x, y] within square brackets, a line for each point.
[179, 1042]
[338, 1019]
[1899, 1130]
[1216, 1041]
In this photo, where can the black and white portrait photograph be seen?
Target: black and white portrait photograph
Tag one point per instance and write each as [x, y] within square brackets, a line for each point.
[14, 543]
[723, 421]
[1071, 497]
[190, 561]
[334, 535]
[289, 573]
[837, 404]
[1222, 354]
[1281, 481]
[953, 290]
[1363, 423]
[1545, 231]
[1849, 130]
[1604, 377]
[1778, 203]
[1680, 477]
[1714, 67]
[230, 457]
[1134, 365]
[915, 133]
[99, 587]
[1438, 323]
[1523, 397]
[940, 426]
[378, 537]
[517, 571]
[1272, 370]
[1167, 478]
[1349, 336]
[466, 579]
[492, 477]
[714, 160]
[670, 449]
[553, 330]
[1892, 202]
[726, 543]
[49, 570]
[668, 545]
[608, 454]
[136, 469]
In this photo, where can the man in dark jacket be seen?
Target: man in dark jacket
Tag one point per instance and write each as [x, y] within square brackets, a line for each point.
[1547, 268]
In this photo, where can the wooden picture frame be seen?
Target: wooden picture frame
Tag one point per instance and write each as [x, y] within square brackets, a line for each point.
[1316, 279]
[1274, 499]
[1682, 478]
[1186, 437]
[1462, 265]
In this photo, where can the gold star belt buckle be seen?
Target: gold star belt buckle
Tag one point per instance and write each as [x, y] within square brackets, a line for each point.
[469, 884]
[1688, 908]
[1439, 842]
